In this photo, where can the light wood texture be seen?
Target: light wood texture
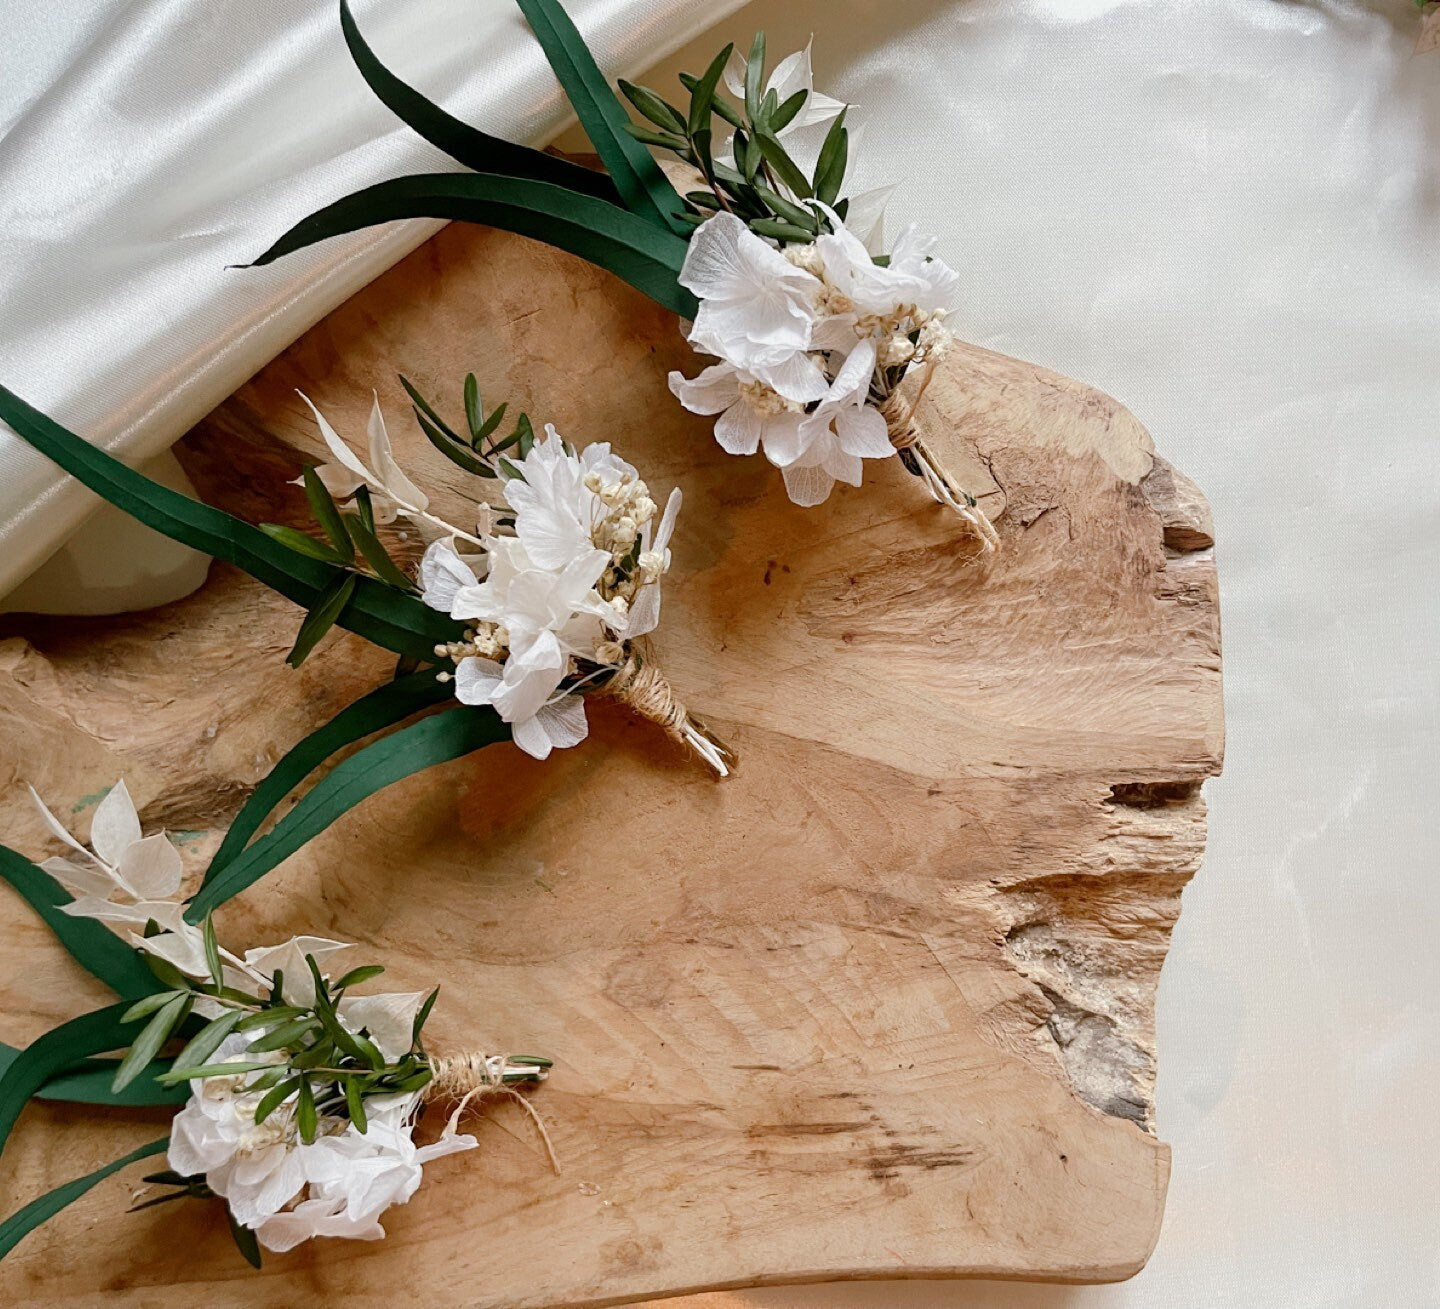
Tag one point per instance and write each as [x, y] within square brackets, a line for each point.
[880, 1006]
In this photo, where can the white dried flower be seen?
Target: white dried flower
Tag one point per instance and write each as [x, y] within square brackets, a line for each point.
[553, 593]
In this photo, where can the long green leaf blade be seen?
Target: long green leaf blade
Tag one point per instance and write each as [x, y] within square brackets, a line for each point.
[91, 1082]
[321, 618]
[377, 612]
[59, 1049]
[608, 236]
[24, 1221]
[391, 704]
[643, 187]
[465, 144]
[433, 740]
[93, 945]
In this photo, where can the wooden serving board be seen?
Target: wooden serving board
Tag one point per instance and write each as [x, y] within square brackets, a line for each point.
[880, 1006]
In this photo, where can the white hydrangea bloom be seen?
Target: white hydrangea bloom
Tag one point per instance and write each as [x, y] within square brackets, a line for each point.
[557, 501]
[828, 444]
[750, 411]
[912, 280]
[283, 1189]
[547, 616]
[353, 1177]
[257, 1168]
[802, 352]
[534, 604]
[757, 309]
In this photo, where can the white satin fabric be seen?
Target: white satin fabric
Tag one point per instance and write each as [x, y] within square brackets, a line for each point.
[145, 145]
[1227, 214]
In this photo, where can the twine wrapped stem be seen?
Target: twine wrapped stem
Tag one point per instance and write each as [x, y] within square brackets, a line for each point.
[899, 416]
[460, 1078]
[640, 684]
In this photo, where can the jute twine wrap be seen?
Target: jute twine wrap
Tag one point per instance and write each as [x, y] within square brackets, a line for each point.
[640, 685]
[899, 416]
[460, 1078]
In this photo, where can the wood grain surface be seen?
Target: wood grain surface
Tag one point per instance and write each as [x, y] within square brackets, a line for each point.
[879, 1006]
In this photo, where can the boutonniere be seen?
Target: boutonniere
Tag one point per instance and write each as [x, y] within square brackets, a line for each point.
[824, 340]
[556, 585]
[299, 1096]
[545, 599]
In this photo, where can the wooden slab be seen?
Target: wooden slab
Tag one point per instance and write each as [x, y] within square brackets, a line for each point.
[881, 1006]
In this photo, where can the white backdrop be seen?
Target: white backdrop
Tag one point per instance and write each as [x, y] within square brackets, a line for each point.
[1222, 212]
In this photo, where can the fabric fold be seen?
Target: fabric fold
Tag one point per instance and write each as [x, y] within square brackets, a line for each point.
[147, 146]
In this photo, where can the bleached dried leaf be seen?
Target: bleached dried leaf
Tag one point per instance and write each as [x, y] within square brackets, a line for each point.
[343, 454]
[57, 828]
[388, 1018]
[392, 476]
[116, 825]
[151, 868]
[77, 878]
